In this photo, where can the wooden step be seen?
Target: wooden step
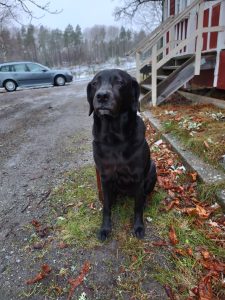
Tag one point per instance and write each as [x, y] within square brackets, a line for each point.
[162, 77]
[147, 87]
[183, 56]
[170, 67]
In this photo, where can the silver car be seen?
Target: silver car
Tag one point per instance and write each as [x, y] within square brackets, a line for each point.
[29, 74]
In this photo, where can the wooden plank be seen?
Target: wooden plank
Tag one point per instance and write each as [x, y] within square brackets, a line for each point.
[162, 77]
[138, 67]
[170, 67]
[221, 73]
[147, 87]
[154, 74]
[175, 80]
[199, 39]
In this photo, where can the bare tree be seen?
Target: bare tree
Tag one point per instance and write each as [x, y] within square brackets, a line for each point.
[130, 7]
[146, 14]
[149, 17]
[12, 9]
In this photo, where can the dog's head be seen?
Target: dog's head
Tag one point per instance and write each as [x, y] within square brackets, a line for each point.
[112, 92]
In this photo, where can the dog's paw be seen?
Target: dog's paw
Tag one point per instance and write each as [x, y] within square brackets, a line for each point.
[104, 234]
[139, 232]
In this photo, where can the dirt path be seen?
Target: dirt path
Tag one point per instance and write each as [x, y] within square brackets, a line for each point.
[43, 133]
[38, 129]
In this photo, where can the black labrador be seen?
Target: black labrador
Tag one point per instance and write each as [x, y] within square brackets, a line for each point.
[121, 153]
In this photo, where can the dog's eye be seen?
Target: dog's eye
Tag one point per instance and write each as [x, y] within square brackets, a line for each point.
[119, 82]
[94, 83]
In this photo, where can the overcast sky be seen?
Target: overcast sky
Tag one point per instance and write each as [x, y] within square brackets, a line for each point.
[86, 13]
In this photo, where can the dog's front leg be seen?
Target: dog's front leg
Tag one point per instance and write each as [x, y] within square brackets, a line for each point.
[139, 229]
[107, 204]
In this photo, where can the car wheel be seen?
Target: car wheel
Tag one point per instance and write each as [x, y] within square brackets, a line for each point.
[60, 80]
[10, 86]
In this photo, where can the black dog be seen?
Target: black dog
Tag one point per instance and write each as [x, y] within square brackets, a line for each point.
[121, 152]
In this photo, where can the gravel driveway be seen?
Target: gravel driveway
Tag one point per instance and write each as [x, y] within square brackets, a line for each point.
[39, 129]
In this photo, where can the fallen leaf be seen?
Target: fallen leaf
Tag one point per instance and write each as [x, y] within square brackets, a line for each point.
[45, 270]
[172, 236]
[205, 286]
[183, 252]
[77, 281]
[205, 254]
[213, 265]
[160, 243]
[197, 211]
[36, 224]
[194, 176]
[172, 203]
[134, 258]
[206, 145]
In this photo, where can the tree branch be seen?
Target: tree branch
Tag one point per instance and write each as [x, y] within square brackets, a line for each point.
[130, 8]
[26, 7]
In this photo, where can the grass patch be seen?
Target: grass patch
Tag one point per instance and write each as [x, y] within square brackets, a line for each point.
[186, 270]
[199, 127]
[77, 198]
[207, 192]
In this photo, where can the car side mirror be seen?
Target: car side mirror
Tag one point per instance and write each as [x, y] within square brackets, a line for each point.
[44, 70]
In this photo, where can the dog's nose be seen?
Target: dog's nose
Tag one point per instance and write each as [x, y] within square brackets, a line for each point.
[102, 95]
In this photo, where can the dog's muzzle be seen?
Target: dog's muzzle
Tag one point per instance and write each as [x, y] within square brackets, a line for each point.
[104, 112]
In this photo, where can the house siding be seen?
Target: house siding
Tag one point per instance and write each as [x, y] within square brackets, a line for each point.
[221, 74]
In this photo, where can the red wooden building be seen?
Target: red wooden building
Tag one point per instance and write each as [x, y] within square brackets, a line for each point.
[187, 49]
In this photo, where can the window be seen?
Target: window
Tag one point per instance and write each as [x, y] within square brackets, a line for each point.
[35, 67]
[5, 68]
[20, 68]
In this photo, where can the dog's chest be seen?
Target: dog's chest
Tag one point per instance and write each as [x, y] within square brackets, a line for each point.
[117, 163]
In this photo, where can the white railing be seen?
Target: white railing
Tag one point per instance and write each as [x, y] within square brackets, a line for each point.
[160, 54]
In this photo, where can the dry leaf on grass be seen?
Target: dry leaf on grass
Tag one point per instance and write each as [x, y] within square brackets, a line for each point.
[205, 286]
[45, 270]
[74, 283]
[172, 236]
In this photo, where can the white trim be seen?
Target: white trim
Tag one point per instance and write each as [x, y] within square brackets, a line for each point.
[154, 75]
[220, 43]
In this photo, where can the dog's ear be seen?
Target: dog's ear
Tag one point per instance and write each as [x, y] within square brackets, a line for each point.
[90, 98]
[136, 94]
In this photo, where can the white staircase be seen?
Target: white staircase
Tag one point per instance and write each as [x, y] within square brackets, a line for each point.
[161, 67]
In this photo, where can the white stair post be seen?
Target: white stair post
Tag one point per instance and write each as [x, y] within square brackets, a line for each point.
[199, 39]
[138, 66]
[154, 74]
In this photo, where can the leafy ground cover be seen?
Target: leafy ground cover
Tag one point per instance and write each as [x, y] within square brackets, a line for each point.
[200, 127]
[181, 257]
